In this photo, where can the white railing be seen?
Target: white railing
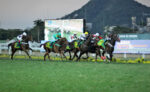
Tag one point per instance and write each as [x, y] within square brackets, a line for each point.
[4, 47]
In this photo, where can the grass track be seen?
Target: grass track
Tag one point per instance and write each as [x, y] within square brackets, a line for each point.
[38, 76]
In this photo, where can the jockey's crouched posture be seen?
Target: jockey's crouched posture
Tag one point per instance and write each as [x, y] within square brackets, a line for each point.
[74, 37]
[100, 42]
[82, 38]
[56, 36]
[20, 38]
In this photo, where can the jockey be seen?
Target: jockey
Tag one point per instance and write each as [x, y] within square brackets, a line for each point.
[100, 40]
[57, 36]
[19, 37]
[74, 37]
[98, 37]
[84, 36]
[93, 38]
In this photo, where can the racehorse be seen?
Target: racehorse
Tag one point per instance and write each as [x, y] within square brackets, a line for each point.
[94, 48]
[72, 47]
[109, 46]
[84, 48]
[23, 46]
[58, 47]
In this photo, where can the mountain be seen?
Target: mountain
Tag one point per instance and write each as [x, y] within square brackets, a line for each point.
[103, 13]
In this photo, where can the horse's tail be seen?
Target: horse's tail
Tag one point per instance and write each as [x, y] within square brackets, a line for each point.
[41, 45]
[9, 45]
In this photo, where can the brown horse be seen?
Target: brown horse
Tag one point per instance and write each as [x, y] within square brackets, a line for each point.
[109, 47]
[73, 48]
[84, 47]
[23, 46]
[58, 47]
[91, 47]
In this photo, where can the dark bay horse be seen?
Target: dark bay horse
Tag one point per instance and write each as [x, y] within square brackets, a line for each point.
[23, 46]
[84, 48]
[95, 49]
[58, 47]
[109, 46]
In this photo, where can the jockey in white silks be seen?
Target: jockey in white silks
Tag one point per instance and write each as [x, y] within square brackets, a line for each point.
[19, 37]
[84, 36]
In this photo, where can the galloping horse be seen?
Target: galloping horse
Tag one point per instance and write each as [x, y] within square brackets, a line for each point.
[109, 47]
[73, 47]
[57, 47]
[84, 48]
[23, 46]
[93, 48]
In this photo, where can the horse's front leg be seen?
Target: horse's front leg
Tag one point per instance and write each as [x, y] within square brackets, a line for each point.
[98, 53]
[75, 54]
[45, 56]
[60, 53]
[13, 52]
[81, 53]
[31, 49]
[64, 55]
[26, 53]
[70, 55]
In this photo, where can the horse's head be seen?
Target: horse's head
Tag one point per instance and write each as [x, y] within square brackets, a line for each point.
[63, 41]
[115, 37]
[27, 38]
[88, 39]
[90, 36]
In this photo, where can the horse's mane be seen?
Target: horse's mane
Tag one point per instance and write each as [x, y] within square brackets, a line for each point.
[27, 38]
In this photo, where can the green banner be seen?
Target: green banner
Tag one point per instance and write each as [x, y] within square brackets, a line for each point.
[130, 36]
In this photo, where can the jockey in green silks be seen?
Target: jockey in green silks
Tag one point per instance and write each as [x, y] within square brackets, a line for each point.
[101, 42]
[57, 36]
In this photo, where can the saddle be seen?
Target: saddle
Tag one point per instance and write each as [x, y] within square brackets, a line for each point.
[51, 44]
[17, 45]
[78, 43]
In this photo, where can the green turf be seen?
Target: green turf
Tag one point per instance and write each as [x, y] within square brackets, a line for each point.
[39, 76]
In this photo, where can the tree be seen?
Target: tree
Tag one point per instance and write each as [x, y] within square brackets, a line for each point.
[38, 30]
[120, 29]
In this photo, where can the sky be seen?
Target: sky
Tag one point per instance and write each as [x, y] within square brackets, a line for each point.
[20, 14]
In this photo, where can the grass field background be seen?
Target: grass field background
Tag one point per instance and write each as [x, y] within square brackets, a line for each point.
[24, 75]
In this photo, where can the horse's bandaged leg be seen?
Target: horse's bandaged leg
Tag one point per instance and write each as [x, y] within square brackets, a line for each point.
[101, 51]
[109, 44]
[108, 55]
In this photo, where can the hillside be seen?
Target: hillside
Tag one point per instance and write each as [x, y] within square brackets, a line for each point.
[103, 13]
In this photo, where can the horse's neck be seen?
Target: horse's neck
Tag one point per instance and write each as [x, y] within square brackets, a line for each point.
[87, 42]
[25, 41]
[61, 42]
[112, 41]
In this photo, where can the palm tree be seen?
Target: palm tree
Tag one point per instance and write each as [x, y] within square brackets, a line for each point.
[39, 26]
